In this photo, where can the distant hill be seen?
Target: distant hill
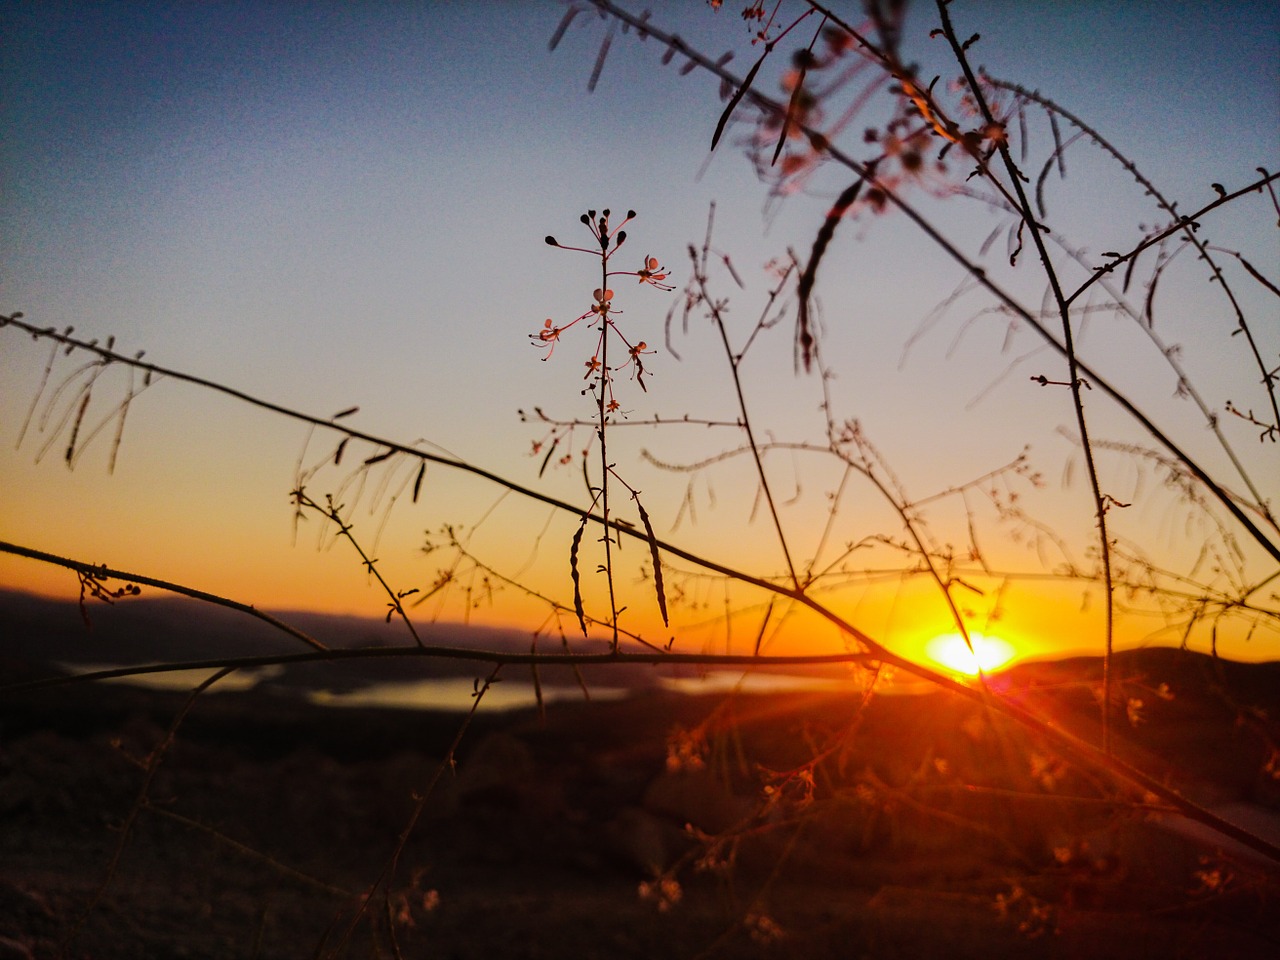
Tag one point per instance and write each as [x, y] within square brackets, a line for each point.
[37, 633]
[40, 637]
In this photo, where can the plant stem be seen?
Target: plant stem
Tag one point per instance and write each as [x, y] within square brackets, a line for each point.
[734, 361]
[1073, 365]
[602, 403]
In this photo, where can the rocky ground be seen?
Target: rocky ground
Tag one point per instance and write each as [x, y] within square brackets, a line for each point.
[656, 826]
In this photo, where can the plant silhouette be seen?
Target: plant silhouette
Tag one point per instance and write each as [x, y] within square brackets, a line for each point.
[1032, 768]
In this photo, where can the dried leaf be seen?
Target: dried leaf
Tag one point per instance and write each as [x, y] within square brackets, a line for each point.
[657, 562]
[1148, 309]
[119, 437]
[547, 459]
[563, 26]
[733, 102]
[986, 244]
[577, 580]
[417, 483]
[1128, 272]
[804, 327]
[599, 67]
[1058, 151]
[786, 120]
[1258, 276]
[75, 427]
[1017, 250]
[1040, 182]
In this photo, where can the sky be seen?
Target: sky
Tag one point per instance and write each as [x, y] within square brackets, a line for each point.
[332, 205]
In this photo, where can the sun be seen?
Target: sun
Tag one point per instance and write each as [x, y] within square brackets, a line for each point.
[988, 654]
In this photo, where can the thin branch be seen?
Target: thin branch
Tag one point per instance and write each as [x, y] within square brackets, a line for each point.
[387, 874]
[1073, 367]
[102, 571]
[1186, 225]
[717, 316]
[331, 512]
[142, 800]
[951, 250]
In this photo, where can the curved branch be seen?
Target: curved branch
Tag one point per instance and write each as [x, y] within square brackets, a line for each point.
[102, 570]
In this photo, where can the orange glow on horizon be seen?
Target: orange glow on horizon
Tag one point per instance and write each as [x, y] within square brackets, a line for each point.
[988, 653]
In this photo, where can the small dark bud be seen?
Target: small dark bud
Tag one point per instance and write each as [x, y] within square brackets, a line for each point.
[622, 238]
[631, 214]
[803, 59]
[587, 217]
[551, 242]
[606, 212]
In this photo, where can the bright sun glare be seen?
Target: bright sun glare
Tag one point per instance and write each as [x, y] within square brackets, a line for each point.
[988, 654]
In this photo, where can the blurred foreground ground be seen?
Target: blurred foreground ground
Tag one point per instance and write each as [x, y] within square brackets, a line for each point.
[927, 828]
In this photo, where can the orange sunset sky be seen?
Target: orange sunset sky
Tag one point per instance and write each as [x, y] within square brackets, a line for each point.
[338, 206]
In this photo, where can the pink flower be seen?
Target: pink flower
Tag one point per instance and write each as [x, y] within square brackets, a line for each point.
[654, 274]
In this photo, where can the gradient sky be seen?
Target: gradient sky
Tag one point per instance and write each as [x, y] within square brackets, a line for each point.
[331, 205]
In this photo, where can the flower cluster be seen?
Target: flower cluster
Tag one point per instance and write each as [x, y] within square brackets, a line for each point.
[832, 79]
[602, 313]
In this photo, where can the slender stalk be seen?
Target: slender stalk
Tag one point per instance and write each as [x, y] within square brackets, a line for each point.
[330, 512]
[602, 401]
[388, 872]
[1073, 366]
[735, 360]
